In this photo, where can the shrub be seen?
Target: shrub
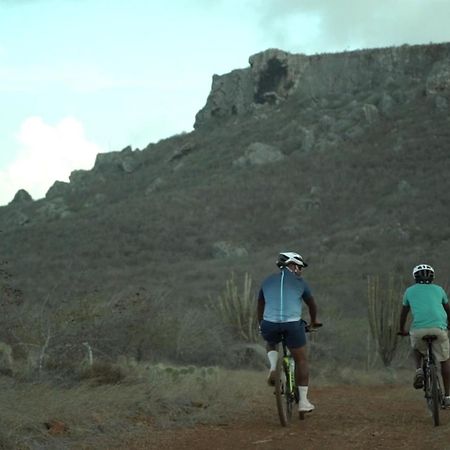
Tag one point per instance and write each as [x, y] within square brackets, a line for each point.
[102, 373]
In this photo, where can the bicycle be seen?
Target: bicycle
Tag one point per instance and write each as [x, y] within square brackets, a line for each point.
[286, 392]
[431, 386]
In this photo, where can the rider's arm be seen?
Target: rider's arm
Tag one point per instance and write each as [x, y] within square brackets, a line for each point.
[403, 315]
[261, 305]
[447, 310]
[312, 306]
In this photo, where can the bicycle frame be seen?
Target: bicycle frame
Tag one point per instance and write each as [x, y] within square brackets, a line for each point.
[289, 369]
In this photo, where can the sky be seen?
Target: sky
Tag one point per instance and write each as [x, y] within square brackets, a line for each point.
[82, 77]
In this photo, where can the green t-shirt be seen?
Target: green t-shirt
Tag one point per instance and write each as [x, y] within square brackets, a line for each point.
[425, 301]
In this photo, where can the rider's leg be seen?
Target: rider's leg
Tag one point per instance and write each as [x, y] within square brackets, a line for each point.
[302, 377]
[270, 335]
[417, 359]
[418, 376]
[445, 370]
[301, 366]
[272, 355]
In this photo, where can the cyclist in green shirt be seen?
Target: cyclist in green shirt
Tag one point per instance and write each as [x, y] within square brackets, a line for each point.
[430, 310]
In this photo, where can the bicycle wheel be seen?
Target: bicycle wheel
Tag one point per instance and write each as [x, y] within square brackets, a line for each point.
[281, 389]
[434, 400]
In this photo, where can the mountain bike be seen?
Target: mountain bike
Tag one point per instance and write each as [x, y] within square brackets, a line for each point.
[286, 392]
[431, 386]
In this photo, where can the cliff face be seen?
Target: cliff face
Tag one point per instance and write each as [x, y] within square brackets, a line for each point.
[275, 75]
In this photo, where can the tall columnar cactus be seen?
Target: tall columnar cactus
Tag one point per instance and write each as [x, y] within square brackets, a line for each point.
[238, 308]
[384, 304]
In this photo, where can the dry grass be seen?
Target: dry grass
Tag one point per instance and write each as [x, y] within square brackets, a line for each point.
[92, 414]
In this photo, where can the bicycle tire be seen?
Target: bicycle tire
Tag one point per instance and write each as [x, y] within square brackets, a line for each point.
[280, 383]
[427, 386]
[280, 389]
[435, 403]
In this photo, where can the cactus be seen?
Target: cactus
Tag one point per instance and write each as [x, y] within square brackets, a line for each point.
[238, 309]
[384, 303]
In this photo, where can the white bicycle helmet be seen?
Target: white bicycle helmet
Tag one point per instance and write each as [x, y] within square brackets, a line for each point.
[423, 273]
[285, 258]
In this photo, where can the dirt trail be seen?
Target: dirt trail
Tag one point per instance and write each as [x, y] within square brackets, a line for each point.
[375, 417]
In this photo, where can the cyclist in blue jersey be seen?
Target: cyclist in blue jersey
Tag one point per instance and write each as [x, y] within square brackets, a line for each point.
[280, 312]
[430, 310]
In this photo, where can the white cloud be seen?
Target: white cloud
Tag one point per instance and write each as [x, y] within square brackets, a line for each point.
[349, 24]
[47, 153]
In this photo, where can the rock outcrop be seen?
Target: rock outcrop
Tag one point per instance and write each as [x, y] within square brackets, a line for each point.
[275, 75]
[126, 160]
[21, 197]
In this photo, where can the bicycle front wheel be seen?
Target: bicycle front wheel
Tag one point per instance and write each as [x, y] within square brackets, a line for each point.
[282, 394]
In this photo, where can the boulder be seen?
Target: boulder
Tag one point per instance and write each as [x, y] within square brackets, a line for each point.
[258, 153]
[225, 249]
[371, 113]
[182, 151]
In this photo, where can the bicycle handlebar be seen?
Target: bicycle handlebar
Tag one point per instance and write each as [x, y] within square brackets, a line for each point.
[309, 328]
[399, 333]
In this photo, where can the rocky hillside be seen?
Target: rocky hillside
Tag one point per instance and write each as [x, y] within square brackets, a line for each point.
[342, 157]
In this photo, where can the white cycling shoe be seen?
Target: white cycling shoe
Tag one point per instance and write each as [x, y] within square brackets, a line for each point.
[446, 402]
[305, 406]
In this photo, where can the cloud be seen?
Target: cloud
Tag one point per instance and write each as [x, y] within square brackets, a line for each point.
[350, 24]
[47, 153]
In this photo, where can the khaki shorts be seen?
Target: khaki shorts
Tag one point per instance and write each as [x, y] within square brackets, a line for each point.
[441, 347]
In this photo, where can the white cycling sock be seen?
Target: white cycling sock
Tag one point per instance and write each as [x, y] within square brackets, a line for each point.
[303, 393]
[273, 358]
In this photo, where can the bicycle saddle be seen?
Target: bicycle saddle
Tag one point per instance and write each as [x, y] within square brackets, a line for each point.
[430, 337]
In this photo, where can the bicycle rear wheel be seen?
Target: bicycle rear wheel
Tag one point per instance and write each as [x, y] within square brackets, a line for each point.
[282, 394]
[434, 402]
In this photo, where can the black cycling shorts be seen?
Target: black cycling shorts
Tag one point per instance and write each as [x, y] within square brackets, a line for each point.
[294, 332]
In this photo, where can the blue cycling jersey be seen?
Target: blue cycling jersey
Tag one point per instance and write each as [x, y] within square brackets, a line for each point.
[283, 293]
